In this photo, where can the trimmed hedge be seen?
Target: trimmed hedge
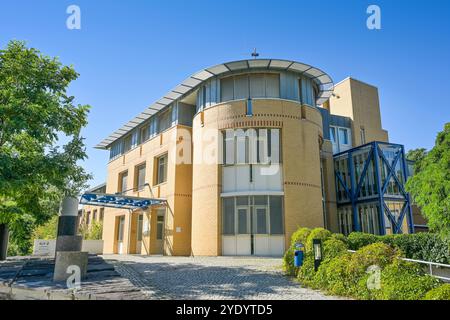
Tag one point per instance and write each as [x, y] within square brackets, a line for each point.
[419, 246]
[374, 271]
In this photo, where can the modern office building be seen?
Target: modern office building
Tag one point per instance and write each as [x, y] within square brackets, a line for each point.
[239, 155]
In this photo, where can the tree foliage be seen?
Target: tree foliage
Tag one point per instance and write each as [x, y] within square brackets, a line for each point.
[430, 187]
[417, 155]
[36, 114]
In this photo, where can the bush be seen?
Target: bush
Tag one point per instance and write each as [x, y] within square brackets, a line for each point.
[403, 280]
[357, 240]
[439, 293]
[300, 236]
[288, 262]
[339, 236]
[47, 231]
[92, 232]
[333, 275]
[333, 248]
[421, 246]
[317, 233]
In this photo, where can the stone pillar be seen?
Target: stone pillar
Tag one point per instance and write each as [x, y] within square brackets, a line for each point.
[4, 237]
[68, 243]
[67, 239]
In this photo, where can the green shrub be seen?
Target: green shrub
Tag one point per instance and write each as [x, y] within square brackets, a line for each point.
[339, 236]
[357, 240]
[288, 262]
[439, 293]
[333, 248]
[403, 280]
[306, 272]
[377, 255]
[333, 275]
[300, 236]
[421, 246]
[317, 233]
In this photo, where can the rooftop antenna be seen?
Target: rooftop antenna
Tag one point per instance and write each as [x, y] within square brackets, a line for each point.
[255, 54]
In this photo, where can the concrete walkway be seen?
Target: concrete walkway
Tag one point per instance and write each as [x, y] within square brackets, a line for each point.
[217, 278]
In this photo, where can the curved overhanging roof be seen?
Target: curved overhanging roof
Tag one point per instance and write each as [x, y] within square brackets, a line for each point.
[323, 81]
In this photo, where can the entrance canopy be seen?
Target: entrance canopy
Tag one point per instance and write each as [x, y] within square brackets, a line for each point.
[119, 201]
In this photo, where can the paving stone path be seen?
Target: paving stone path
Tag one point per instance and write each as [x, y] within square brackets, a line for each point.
[217, 278]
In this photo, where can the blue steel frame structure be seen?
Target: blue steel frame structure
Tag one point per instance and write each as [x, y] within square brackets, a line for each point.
[378, 158]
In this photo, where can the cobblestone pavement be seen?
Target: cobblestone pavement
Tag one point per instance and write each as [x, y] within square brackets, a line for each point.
[211, 278]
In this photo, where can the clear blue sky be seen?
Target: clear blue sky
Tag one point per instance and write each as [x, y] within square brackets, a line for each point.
[130, 53]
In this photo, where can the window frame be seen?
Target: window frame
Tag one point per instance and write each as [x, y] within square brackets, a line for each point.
[158, 179]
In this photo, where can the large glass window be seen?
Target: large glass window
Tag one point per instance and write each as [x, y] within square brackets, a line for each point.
[254, 85]
[251, 146]
[256, 214]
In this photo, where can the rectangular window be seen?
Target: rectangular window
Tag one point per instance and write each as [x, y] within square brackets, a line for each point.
[165, 121]
[343, 136]
[161, 174]
[257, 86]
[123, 177]
[139, 177]
[272, 85]
[333, 135]
[160, 225]
[227, 89]
[276, 215]
[88, 218]
[228, 216]
[127, 142]
[145, 133]
[102, 214]
[300, 91]
[203, 97]
[261, 221]
[363, 136]
[241, 87]
[120, 231]
[94, 216]
[243, 221]
[140, 224]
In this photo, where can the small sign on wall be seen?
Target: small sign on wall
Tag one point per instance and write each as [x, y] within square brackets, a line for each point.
[178, 229]
[44, 247]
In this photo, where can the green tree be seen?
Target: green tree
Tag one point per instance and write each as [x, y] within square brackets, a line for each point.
[417, 155]
[430, 187]
[36, 115]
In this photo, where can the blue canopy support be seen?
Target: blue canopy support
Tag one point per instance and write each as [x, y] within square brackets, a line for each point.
[120, 201]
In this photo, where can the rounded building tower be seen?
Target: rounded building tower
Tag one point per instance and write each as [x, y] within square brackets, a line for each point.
[256, 136]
